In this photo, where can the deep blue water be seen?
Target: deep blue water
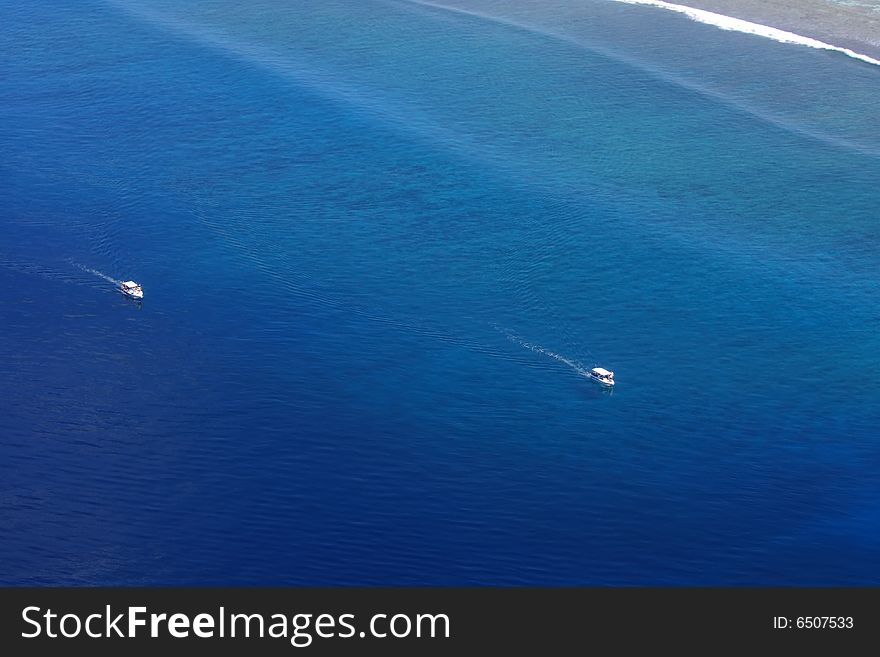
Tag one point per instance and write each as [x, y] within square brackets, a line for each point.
[377, 240]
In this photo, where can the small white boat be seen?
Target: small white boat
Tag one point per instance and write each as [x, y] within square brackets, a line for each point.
[131, 289]
[603, 376]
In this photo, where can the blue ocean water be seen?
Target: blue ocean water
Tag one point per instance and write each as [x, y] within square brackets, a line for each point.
[379, 242]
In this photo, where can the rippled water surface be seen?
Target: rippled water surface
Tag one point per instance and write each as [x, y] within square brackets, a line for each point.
[379, 243]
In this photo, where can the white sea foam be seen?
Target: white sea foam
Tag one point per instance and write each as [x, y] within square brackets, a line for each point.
[739, 25]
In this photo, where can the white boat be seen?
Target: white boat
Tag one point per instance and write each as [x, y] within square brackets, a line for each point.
[131, 289]
[603, 376]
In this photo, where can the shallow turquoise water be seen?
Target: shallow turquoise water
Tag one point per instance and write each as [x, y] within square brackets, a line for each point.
[378, 240]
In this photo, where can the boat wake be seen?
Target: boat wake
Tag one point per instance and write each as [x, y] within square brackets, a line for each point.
[97, 273]
[572, 364]
[739, 25]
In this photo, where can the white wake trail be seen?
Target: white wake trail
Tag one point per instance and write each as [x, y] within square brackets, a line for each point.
[575, 365]
[98, 274]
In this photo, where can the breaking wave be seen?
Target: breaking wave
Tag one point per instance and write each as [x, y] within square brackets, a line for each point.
[740, 25]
